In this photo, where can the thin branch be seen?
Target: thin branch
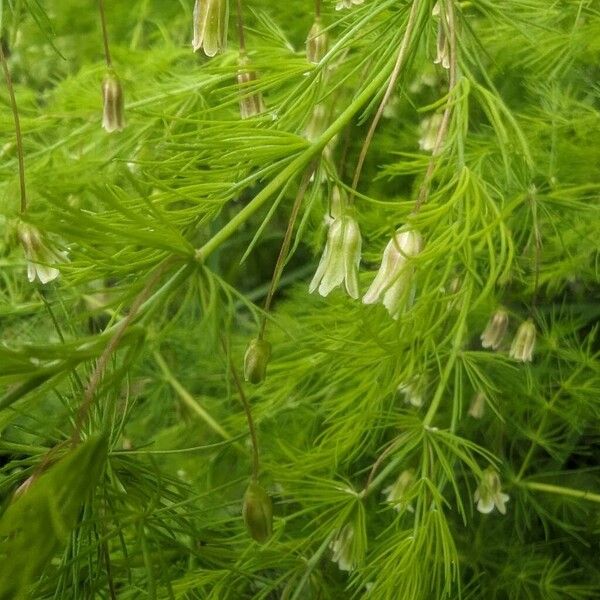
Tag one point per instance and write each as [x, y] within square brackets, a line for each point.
[240, 26]
[402, 52]
[18, 135]
[104, 34]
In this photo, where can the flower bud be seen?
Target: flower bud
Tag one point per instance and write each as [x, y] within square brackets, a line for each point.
[256, 360]
[340, 259]
[316, 42]
[524, 342]
[251, 102]
[258, 513]
[494, 331]
[210, 26]
[113, 116]
[394, 276]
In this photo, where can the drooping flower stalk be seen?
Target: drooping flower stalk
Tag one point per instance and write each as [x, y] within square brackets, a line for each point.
[18, 134]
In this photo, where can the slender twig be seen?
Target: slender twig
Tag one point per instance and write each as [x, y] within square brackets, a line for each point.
[285, 245]
[560, 490]
[18, 135]
[317, 8]
[402, 52]
[447, 11]
[537, 236]
[97, 374]
[240, 26]
[104, 34]
[247, 410]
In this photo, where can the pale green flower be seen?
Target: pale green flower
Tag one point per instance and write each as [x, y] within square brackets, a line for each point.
[489, 493]
[495, 330]
[523, 343]
[210, 26]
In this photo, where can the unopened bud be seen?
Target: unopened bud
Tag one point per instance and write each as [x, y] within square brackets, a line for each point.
[256, 360]
[316, 42]
[113, 116]
[258, 513]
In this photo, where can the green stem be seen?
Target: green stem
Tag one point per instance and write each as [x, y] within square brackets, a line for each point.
[17, 122]
[561, 491]
[104, 34]
[299, 163]
[187, 398]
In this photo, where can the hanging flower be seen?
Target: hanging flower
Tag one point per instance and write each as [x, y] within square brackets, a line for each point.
[341, 4]
[40, 256]
[396, 494]
[443, 45]
[523, 343]
[210, 26]
[113, 115]
[342, 548]
[316, 42]
[394, 276]
[477, 408]
[413, 394]
[489, 493]
[340, 259]
[428, 129]
[495, 330]
[251, 102]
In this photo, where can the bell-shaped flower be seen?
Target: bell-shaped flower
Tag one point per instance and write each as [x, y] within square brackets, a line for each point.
[316, 42]
[341, 258]
[251, 100]
[488, 494]
[41, 256]
[397, 493]
[210, 26]
[113, 114]
[393, 280]
[428, 129]
[413, 393]
[443, 45]
[523, 343]
[495, 330]
[342, 548]
[341, 4]
[477, 407]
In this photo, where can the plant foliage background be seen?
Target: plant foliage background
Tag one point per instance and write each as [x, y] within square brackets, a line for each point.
[124, 446]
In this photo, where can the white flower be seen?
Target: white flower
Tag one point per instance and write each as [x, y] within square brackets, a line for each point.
[428, 129]
[494, 331]
[394, 276]
[523, 344]
[40, 257]
[489, 493]
[113, 116]
[443, 46]
[340, 259]
[396, 493]
[413, 394]
[316, 42]
[347, 4]
[251, 100]
[342, 548]
[477, 408]
[210, 26]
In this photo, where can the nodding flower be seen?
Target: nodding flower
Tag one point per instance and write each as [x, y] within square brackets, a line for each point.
[347, 4]
[41, 257]
[523, 343]
[316, 42]
[495, 330]
[113, 115]
[488, 494]
[341, 258]
[342, 548]
[394, 278]
[251, 100]
[210, 26]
